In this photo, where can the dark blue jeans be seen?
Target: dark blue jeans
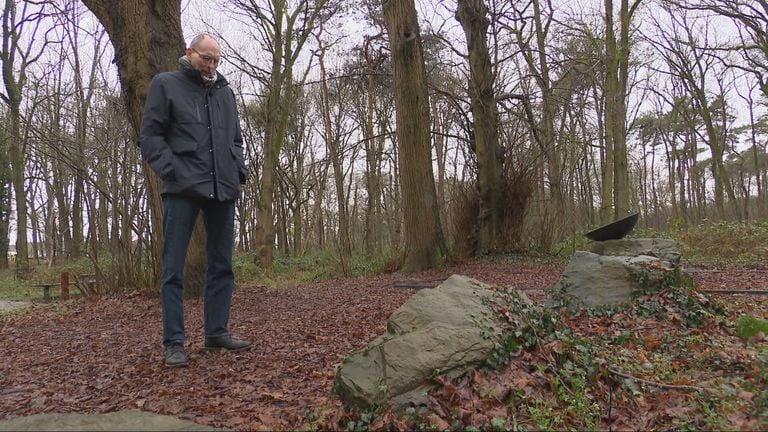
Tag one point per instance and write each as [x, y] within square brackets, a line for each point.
[179, 215]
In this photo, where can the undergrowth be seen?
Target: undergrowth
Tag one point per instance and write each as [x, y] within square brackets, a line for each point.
[669, 360]
[312, 267]
[15, 289]
[719, 242]
[709, 242]
[286, 271]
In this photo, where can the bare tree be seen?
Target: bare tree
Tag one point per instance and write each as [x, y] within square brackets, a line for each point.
[680, 45]
[147, 38]
[617, 52]
[374, 59]
[756, 161]
[553, 91]
[336, 155]
[293, 172]
[751, 19]
[424, 242]
[473, 16]
[16, 57]
[84, 93]
[5, 191]
[282, 29]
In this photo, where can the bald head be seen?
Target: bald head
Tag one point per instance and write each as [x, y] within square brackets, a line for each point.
[204, 53]
[197, 40]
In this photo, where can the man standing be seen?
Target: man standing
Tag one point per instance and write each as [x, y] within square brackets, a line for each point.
[190, 136]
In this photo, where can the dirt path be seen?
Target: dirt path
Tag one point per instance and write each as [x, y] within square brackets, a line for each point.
[7, 305]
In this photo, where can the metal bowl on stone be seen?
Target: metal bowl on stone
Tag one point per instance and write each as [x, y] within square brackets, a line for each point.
[614, 230]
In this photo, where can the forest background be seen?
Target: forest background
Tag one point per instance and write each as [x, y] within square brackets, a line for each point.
[545, 118]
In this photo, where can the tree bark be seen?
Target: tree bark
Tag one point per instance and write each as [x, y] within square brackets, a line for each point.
[5, 200]
[273, 141]
[424, 241]
[17, 155]
[472, 14]
[148, 39]
[617, 70]
[12, 30]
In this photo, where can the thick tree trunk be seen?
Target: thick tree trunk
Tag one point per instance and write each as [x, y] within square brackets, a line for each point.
[14, 79]
[17, 157]
[5, 200]
[472, 14]
[424, 242]
[616, 62]
[5, 208]
[147, 38]
[277, 116]
[265, 225]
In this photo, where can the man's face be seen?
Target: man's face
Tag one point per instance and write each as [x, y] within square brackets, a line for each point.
[205, 57]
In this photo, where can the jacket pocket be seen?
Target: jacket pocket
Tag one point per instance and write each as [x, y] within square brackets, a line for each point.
[183, 146]
[242, 171]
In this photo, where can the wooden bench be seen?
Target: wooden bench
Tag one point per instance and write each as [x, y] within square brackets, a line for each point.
[47, 290]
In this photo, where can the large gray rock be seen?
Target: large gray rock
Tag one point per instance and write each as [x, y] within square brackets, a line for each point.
[447, 329]
[132, 420]
[665, 249]
[592, 280]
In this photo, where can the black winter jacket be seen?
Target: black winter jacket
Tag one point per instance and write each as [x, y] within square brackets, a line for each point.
[190, 135]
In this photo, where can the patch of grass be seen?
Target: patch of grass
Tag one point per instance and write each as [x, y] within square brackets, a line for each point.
[312, 267]
[287, 271]
[748, 326]
[6, 314]
[544, 415]
[12, 288]
[718, 242]
[530, 257]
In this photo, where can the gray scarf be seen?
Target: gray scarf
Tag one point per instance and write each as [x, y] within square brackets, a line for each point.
[186, 64]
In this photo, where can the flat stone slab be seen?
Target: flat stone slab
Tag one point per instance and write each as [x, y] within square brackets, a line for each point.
[133, 420]
[9, 305]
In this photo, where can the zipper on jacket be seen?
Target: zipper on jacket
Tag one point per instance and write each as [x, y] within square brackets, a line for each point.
[209, 102]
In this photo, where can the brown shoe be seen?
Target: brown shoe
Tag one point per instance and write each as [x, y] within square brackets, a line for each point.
[226, 342]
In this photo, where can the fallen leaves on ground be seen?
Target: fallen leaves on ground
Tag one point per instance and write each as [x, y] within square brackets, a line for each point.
[105, 355]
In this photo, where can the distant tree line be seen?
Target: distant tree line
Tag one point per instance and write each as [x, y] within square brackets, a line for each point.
[503, 126]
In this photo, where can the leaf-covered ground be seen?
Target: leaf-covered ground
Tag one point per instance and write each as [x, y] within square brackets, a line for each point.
[668, 363]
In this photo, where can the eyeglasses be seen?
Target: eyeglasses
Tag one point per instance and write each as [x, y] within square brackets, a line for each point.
[206, 58]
